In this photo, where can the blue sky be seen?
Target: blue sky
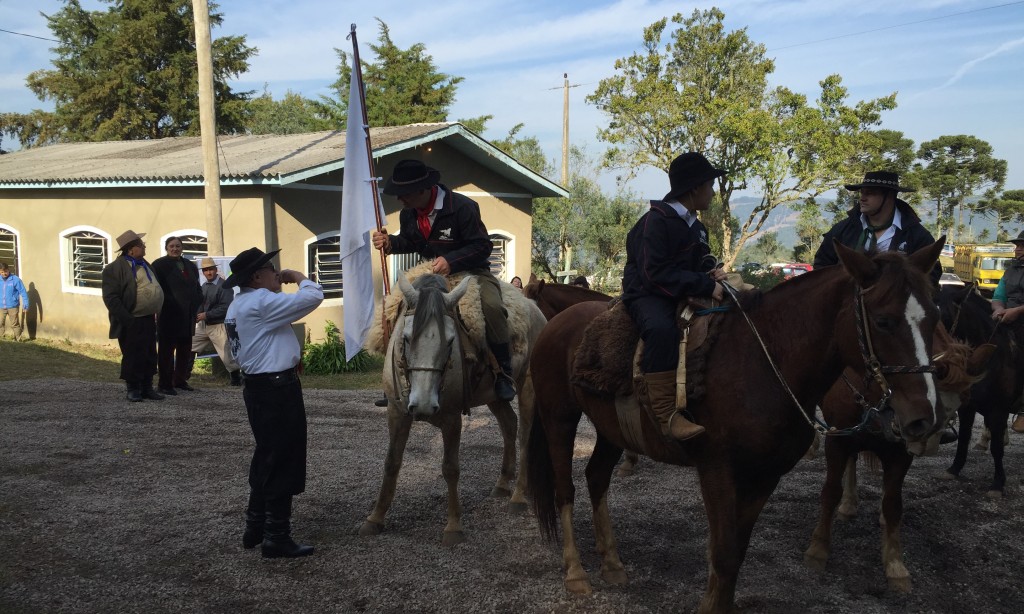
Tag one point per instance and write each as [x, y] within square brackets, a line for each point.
[957, 65]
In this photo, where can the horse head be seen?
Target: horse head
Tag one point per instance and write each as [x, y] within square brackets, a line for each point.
[429, 342]
[895, 319]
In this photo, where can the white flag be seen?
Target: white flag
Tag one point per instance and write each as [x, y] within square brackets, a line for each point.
[357, 220]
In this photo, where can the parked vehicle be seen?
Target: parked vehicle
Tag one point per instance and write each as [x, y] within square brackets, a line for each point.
[982, 264]
[791, 269]
[946, 258]
[950, 279]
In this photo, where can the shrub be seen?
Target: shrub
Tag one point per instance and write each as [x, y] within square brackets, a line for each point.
[328, 358]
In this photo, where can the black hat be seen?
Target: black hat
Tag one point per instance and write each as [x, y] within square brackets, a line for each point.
[688, 171]
[879, 179]
[1019, 239]
[247, 263]
[411, 176]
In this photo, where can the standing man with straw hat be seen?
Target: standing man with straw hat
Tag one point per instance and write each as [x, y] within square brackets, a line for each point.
[133, 298]
[259, 324]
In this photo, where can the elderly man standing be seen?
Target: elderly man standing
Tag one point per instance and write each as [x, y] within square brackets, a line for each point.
[179, 278]
[259, 325]
[210, 319]
[13, 300]
[133, 298]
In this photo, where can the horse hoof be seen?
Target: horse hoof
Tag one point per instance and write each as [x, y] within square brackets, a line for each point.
[615, 577]
[625, 472]
[453, 538]
[369, 528]
[517, 507]
[981, 446]
[899, 585]
[945, 475]
[994, 494]
[847, 512]
[814, 563]
[500, 492]
[580, 586]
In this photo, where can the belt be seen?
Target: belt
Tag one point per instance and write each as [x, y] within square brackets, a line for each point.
[276, 378]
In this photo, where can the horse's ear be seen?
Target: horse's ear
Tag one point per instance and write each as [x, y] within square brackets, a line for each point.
[452, 298]
[925, 259]
[410, 293]
[533, 278]
[857, 264]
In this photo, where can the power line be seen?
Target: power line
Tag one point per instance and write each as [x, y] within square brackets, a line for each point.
[898, 25]
[42, 38]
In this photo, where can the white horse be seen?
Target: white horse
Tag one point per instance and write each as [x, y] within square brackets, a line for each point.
[434, 373]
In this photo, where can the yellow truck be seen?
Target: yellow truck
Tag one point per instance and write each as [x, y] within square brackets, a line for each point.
[982, 264]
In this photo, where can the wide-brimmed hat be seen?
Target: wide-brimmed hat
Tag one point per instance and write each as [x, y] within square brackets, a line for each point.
[207, 263]
[879, 179]
[688, 171]
[1019, 239]
[247, 263]
[411, 176]
[127, 237]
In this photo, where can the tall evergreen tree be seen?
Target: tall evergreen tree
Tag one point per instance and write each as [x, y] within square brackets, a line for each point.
[954, 168]
[130, 72]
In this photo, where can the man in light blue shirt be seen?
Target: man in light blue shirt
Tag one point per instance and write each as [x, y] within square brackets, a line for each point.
[13, 301]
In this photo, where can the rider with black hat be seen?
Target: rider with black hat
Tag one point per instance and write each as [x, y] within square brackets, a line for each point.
[1008, 303]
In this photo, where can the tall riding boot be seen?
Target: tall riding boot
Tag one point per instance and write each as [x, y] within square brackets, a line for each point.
[134, 392]
[277, 540]
[661, 397]
[149, 393]
[255, 518]
[504, 383]
[236, 378]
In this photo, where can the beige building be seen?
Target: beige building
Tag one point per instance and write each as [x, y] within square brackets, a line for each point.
[61, 207]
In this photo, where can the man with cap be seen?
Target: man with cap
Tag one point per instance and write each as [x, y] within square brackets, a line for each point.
[210, 320]
[445, 226]
[133, 298]
[259, 326]
[882, 221]
[667, 260]
[1008, 303]
[13, 300]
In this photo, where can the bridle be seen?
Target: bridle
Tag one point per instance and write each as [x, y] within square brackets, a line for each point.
[401, 368]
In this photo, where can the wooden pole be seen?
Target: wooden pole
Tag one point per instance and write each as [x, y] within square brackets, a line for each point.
[208, 130]
[565, 132]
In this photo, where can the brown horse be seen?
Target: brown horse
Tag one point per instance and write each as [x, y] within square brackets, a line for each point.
[856, 430]
[756, 409]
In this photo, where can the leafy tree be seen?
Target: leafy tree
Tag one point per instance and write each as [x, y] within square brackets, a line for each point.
[810, 226]
[129, 72]
[707, 90]
[402, 86]
[293, 114]
[1005, 208]
[953, 168]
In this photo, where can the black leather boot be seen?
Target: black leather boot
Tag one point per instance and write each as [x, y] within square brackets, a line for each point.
[149, 393]
[255, 518]
[236, 378]
[277, 540]
[134, 392]
[504, 384]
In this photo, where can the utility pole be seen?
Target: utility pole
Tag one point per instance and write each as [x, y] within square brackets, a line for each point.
[208, 130]
[566, 255]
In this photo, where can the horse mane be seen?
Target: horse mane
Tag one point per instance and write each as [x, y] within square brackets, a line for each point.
[975, 324]
[430, 305]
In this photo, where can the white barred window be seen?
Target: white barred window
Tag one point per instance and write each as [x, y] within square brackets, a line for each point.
[325, 265]
[9, 249]
[87, 255]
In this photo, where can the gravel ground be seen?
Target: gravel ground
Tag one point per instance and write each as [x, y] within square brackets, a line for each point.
[107, 506]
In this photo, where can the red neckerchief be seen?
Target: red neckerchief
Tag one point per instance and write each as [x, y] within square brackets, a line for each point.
[423, 215]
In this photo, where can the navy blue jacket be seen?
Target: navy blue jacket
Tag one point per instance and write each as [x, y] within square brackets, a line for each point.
[457, 233]
[666, 257]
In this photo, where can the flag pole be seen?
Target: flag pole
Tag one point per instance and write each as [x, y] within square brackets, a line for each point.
[357, 67]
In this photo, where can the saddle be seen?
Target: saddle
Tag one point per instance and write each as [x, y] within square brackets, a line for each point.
[607, 361]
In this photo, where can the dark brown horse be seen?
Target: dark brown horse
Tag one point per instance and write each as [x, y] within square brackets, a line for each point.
[857, 430]
[757, 428]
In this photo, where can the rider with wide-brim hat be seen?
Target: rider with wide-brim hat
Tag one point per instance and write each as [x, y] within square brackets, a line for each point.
[1008, 303]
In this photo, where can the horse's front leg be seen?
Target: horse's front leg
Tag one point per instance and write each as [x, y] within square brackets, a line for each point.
[851, 499]
[838, 463]
[398, 435]
[731, 516]
[996, 422]
[894, 467]
[507, 424]
[629, 463]
[965, 415]
[518, 503]
[451, 435]
[599, 474]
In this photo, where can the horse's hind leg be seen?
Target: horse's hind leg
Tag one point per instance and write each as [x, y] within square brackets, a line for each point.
[599, 474]
[507, 423]
[895, 465]
[997, 420]
[451, 435]
[517, 504]
[838, 463]
[965, 415]
[398, 430]
[628, 466]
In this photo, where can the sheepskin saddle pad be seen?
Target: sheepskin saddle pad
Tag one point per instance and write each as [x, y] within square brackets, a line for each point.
[470, 313]
[604, 360]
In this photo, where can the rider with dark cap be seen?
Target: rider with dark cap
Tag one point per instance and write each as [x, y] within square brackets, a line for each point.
[882, 221]
[445, 226]
[1008, 303]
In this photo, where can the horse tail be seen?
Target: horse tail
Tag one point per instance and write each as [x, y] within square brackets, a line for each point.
[540, 483]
